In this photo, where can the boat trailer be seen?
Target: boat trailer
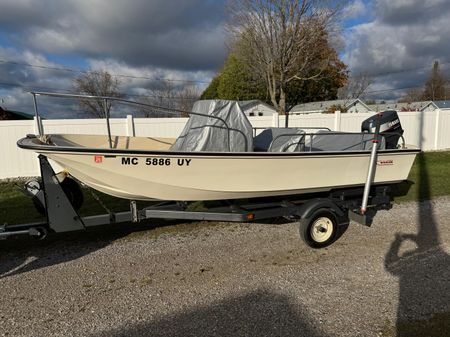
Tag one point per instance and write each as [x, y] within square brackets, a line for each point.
[321, 217]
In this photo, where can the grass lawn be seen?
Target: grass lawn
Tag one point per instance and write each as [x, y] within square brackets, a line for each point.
[429, 177]
[16, 207]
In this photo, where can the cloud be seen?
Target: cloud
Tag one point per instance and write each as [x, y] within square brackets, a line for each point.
[15, 72]
[158, 40]
[404, 34]
[141, 79]
[187, 35]
[407, 12]
[354, 9]
[43, 75]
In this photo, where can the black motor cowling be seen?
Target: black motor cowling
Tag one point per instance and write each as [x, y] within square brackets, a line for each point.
[390, 127]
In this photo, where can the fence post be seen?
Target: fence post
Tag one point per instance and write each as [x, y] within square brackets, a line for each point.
[436, 129]
[275, 120]
[130, 126]
[337, 120]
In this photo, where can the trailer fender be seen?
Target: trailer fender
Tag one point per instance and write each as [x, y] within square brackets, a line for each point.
[308, 208]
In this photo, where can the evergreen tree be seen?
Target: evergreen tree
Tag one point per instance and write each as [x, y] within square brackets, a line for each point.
[234, 82]
[211, 91]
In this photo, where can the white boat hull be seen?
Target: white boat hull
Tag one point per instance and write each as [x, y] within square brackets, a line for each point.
[214, 176]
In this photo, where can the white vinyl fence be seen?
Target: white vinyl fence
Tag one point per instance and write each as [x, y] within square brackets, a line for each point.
[429, 130]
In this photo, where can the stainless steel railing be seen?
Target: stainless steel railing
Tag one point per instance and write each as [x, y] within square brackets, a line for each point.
[106, 99]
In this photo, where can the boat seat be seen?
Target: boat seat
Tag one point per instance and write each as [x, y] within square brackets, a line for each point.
[333, 141]
[280, 140]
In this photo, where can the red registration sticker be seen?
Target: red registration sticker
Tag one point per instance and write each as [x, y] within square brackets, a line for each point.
[98, 159]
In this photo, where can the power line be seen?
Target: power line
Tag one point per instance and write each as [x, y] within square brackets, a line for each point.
[392, 89]
[31, 88]
[392, 72]
[80, 71]
[179, 80]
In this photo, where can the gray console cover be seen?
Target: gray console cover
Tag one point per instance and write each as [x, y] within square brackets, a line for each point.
[206, 133]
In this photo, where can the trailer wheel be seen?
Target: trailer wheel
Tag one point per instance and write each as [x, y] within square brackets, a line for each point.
[38, 206]
[39, 233]
[320, 229]
[73, 192]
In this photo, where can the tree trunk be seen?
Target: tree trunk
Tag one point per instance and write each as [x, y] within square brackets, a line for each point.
[282, 110]
[271, 85]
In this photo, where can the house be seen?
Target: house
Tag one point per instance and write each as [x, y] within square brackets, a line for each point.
[345, 105]
[443, 105]
[6, 114]
[413, 106]
[256, 108]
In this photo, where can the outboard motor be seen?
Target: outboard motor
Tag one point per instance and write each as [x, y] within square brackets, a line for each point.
[390, 127]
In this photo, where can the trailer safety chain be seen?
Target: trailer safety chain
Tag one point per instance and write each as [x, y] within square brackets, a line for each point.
[97, 198]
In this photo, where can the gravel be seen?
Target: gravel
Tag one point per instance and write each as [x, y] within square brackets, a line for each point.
[201, 279]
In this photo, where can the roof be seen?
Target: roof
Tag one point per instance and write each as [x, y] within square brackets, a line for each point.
[325, 105]
[253, 102]
[413, 106]
[17, 114]
[442, 104]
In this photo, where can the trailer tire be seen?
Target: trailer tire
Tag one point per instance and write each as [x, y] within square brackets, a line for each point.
[320, 229]
[73, 192]
[38, 206]
[38, 233]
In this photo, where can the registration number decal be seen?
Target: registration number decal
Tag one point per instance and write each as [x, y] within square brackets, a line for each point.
[155, 161]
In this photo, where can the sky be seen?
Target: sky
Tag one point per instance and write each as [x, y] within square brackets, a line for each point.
[45, 43]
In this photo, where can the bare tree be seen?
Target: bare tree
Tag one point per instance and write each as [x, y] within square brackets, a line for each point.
[356, 87]
[412, 95]
[97, 83]
[169, 97]
[158, 97]
[187, 97]
[278, 40]
[435, 87]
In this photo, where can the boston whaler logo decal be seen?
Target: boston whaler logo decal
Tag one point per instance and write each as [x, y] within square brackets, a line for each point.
[98, 159]
[385, 162]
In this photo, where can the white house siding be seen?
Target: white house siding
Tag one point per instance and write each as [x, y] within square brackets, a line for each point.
[357, 107]
[429, 107]
[259, 110]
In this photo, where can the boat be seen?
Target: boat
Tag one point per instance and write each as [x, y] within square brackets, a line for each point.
[317, 176]
[219, 156]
